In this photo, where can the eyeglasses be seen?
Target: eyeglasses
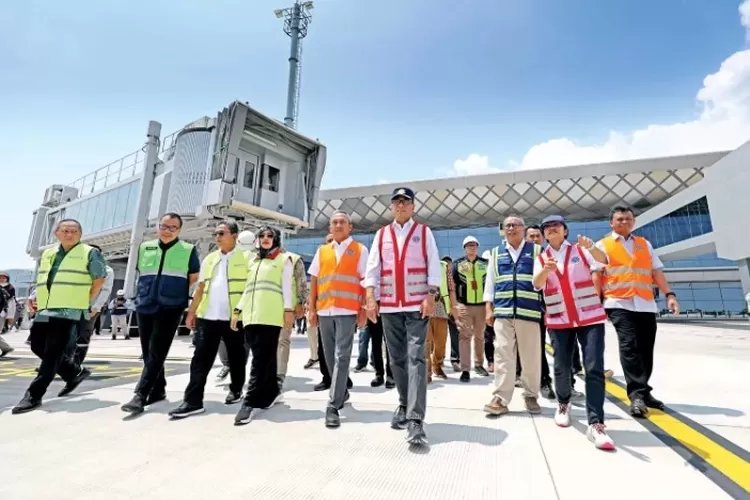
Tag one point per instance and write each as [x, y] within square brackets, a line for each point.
[512, 225]
[168, 227]
[68, 231]
[219, 233]
[401, 201]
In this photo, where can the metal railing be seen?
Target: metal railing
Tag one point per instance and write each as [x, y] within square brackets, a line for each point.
[119, 170]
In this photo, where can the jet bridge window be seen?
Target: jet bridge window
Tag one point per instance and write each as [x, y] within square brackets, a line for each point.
[249, 180]
[271, 178]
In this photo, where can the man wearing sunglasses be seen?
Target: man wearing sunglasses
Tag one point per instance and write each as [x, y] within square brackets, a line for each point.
[167, 268]
[220, 286]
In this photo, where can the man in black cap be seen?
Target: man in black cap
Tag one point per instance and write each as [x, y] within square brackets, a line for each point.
[403, 282]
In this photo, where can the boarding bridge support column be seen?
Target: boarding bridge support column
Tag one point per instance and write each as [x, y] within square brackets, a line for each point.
[144, 200]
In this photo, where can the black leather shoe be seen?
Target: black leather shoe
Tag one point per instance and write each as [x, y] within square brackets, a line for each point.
[71, 386]
[332, 417]
[349, 383]
[389, 383]
[155, 397]
[638, 408]
[652, 402]
[322, 387]
[232, 397]
[377, 381]
[26, 404]
[548, 392]
[465, 377]
[415, 434]
[134, 406]
[398, 421]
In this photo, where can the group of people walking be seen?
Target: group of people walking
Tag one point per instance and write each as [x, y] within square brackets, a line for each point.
[399, 288]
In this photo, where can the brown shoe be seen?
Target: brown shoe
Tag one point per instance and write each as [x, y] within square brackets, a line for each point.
[532, 406]
[439, 373]
[608, 374]
[496, 407]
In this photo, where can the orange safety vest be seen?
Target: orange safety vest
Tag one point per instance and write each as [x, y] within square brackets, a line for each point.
[628, 275]
[339, 283]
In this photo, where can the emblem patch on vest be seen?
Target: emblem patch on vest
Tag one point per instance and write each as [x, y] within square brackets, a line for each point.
[575, 259]
[349, 252]
[415, 239]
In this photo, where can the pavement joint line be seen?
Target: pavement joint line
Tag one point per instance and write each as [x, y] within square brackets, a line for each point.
[546, 460]
[720, 460]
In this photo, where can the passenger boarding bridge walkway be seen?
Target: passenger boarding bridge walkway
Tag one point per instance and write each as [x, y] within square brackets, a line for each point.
[83, 446]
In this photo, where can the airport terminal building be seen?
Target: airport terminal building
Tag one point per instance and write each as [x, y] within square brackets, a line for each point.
[687, 206]
[243, 165]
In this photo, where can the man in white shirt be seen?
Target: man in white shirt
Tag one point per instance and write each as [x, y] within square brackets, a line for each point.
[336, 305]
[403, 282]
[220, 284]
[629, 279]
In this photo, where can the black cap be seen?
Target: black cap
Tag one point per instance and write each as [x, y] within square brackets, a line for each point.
[402, 192]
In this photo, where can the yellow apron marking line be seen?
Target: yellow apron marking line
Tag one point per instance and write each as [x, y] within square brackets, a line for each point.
[732, 466]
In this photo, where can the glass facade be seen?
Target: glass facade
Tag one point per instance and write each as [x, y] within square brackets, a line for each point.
[100, 212]
[686, 222]
[707, 297]
[22, 280]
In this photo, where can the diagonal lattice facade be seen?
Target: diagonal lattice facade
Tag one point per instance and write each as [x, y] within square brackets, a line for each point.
[586, 194]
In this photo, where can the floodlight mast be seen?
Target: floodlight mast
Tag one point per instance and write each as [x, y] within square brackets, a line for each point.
[296, 20]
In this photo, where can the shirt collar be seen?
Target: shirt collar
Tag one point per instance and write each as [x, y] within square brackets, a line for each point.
[406, 225]
[619, 237]
[342, 244]
[564, 245]
[228, 254]
[509, 246]
[62, 249]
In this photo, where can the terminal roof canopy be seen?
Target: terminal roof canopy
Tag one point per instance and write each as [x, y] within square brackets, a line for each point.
[584, 192]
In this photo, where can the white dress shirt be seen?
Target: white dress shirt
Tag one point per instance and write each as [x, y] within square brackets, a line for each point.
[340, 248]
[559, 256]
[218, 292]
[372, 273]
[101, 299]
[489, 279]
[636, 304]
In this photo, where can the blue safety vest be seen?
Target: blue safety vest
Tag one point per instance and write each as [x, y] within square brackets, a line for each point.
[514, 291]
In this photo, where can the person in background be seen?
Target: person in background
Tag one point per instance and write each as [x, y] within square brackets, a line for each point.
[489, 337]
[9, 299]
[437, 331]
[118, 313]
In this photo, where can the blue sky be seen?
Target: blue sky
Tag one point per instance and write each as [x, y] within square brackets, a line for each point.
[397, 90]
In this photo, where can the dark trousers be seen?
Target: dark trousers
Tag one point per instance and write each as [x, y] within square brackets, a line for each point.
[50, 340]
[591, 339]
[376, 335]
[405, 333]
[453, 332]
[302, 324]
[636, 336]
[207, 337]
[489, 346]
[546, 379]
[263, 387]
[84, 330]
[156, 332]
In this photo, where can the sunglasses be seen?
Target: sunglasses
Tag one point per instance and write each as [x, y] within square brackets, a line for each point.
[266, 235]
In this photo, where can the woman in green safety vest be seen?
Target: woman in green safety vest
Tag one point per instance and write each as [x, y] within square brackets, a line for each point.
[266, 306]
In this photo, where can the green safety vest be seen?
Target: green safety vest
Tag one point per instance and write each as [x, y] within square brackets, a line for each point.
[444, 292]
[262, 302]
[236, 277]
[173, 283]
[476, 271]
[72, 284]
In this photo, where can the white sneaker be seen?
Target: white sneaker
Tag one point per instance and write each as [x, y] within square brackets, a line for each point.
[601, 440]
[562, 415]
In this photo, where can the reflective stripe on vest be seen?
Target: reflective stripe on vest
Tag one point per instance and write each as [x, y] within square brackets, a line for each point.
[262, 302]
[472, 276]
[570, 296]
[72, 284]
[236, 276]
[514, 294]
[339, 282]
[627, 275]
[403, 271]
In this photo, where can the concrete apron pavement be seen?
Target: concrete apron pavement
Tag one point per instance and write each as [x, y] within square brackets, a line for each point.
[84, 446]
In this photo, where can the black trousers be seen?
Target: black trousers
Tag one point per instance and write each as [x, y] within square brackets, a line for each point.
[546, 378]
[376, 337]
[208, 335]
[156, 332]
[323, 366]
[83, 338]
[262, 388]
[489, 346]
[636, 336]
[453, 332]
[50, 340]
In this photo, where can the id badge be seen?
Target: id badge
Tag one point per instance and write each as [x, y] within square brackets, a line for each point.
[473, 284]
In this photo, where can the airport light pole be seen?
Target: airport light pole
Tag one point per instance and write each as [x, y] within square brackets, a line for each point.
[296, 20]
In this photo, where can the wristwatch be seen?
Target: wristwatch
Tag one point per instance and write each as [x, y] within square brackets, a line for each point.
[434, 292]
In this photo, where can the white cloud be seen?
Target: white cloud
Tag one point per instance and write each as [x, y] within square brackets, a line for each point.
[723, 122]
[474, 164]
